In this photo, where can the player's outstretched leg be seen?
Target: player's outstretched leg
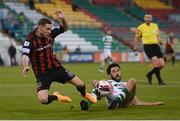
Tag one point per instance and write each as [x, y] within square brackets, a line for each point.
[149, 78]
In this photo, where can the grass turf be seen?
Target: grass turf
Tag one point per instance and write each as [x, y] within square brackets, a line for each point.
[18, 98]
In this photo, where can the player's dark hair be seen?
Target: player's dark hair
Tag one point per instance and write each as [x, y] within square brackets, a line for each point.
[147, 13]
[44, 21]
[108, 70]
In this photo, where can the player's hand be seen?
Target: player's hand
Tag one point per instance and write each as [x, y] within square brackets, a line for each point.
[60, 14]
[25, 71]
[159, 103]
[94, 82]
[161, 42]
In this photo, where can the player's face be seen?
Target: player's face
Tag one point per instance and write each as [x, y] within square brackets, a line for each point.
[46, 30]
[115, 74]
[148, 18]
[109, 32]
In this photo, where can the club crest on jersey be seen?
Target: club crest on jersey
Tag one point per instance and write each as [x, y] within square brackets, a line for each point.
[26, 43]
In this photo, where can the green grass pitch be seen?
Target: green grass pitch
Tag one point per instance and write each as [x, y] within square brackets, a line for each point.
[18, 98]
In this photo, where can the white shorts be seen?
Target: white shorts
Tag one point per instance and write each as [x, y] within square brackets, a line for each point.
[107, 54]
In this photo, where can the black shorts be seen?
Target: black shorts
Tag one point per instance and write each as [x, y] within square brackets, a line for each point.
[60, 75]
[152, 50]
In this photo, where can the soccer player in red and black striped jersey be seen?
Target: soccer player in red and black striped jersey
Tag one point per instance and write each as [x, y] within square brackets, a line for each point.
[38, 50]
[169, 48]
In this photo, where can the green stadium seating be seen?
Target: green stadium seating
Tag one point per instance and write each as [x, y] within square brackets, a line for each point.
[108, 14]
[95, 37]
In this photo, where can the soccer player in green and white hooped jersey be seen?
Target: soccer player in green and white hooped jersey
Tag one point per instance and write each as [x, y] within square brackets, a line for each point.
[106, 55]
[123, 93]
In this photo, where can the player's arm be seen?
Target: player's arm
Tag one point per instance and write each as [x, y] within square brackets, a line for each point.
[159, 37]
[136, 38]
[63, 27]
[172, 43]
[25, 64]
[137, 101]
[61, 16]
[25, 56]
[159, 40]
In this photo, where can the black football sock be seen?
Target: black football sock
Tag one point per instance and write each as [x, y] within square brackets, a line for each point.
[165, 59]
[50, 99]
[82, 90]
[152, 71]
[158, 74]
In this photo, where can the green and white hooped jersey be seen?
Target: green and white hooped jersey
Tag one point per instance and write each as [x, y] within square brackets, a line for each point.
[117, 86]
[107, 42]
[116, 89]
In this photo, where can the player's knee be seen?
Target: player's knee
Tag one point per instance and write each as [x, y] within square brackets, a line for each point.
[162, 63]
[43, 100]
[131, 84]
[155, 62]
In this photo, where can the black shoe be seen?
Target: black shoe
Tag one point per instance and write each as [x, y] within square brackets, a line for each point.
[149, 77]
[162, 83]
[114, 104]
[84, 105]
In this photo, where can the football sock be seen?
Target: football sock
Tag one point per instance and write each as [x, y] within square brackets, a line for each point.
[165, 59]
[158, 74]
[152, 71]
[123, 95]
[50, 99]
[102, 65]
[82, 90]
[110, 61]
[119, 99]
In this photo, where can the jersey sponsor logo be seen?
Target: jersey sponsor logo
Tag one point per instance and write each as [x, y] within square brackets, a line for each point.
[42, 48]
[26, 43]
[25, 50]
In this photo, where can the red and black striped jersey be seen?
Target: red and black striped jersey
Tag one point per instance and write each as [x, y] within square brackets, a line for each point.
[169, 43]
[40, 51]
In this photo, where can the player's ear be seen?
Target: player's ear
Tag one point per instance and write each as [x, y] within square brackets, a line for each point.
[109, 75]
[40, 27]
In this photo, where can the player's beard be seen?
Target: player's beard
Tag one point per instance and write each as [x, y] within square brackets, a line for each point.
[117, 78]
[45, 35]
[148, 22]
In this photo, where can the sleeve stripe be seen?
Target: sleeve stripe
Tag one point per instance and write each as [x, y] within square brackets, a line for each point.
[25, 50]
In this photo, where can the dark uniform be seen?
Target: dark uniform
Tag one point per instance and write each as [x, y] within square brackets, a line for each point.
[45, 65]
[169, 49]
[12, 54]
[149, 34]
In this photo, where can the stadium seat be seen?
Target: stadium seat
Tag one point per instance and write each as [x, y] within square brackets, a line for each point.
[75, 18]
